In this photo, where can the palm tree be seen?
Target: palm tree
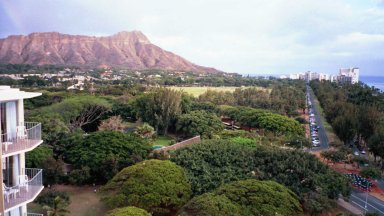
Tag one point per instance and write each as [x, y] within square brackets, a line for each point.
[59, 207]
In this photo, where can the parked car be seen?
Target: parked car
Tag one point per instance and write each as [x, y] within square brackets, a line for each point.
[315, 144]
[363, 151]
[356, 153]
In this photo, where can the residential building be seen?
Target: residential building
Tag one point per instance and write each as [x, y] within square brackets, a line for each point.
[21, 185]
[352, 72]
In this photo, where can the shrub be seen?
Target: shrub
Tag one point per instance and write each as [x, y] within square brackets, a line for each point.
[48, 197]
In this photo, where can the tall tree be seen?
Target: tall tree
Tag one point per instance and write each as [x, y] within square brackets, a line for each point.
[160, 107]
[199, 123]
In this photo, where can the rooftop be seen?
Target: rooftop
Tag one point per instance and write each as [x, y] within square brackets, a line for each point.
[7, 93]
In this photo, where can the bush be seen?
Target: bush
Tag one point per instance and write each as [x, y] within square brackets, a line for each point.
[79, 176]
[157, 186]
[371, 172]
[37, 157]
[244, 141]
[48, 197]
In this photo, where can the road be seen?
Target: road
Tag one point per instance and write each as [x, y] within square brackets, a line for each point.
[357, 198]
[324, 143]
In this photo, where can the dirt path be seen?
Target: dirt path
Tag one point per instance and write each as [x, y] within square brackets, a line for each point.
[84, 201]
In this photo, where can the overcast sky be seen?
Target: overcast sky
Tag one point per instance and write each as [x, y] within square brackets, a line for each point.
[244, 36]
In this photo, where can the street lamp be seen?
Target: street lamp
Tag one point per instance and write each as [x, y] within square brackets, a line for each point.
[366, 199]
[301, 143]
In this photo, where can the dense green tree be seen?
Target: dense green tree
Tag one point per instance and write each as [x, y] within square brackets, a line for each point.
[59, 207]
[263, 119]
[371, 172]
[145, 131]
[126, 110]
[354, 111]
[160, 187]
[199, 123]
[215, 162]
[159, 108]
[106, 152]
[211, 204]
[376, 143]
[74, 112]
[247, 197]
[128, 211]
[217, 97]
[296, 141]
[38, 156]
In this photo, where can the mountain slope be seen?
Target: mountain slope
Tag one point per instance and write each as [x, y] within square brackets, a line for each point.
[130, 50]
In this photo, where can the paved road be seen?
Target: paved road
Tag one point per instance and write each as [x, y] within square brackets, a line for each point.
[357, 198]
[324, 143]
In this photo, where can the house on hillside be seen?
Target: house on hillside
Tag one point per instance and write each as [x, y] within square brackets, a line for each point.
[21, 185]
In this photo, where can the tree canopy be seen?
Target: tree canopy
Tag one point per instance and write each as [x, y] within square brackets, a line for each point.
[246, 197]
[159, 107]
[160, 187]
[71, 113]
[128, 211]
[263, 119]
[199, 123]
[215, 162]
[106, 152]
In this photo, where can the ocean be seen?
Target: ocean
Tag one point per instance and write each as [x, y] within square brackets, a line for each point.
[377, 81]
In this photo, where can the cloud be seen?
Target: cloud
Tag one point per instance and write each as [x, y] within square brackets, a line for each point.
[248, 36]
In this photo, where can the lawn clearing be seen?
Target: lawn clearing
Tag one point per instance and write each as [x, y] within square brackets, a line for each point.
[163, 141]
[196, 91]
[84, 200]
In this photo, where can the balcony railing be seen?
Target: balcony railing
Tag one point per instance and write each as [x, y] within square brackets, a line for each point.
[26, 136]
[33, 214]
[27, 192]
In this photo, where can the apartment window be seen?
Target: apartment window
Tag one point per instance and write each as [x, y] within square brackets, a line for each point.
[8, 121]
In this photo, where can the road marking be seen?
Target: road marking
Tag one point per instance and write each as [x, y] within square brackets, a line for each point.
[357, 204]
[367, 204]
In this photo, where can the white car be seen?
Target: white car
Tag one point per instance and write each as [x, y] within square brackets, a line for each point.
[356, 153]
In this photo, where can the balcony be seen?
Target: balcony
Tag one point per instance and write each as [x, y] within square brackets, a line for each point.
[22, 194]
[25, 138]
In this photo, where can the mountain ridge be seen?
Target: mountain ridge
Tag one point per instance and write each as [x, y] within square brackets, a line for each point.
[130, 50]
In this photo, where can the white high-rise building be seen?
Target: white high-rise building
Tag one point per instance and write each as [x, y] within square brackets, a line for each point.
[353, 73]
[21, 185]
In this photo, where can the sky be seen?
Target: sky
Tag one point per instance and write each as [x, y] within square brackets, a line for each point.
[242, 36]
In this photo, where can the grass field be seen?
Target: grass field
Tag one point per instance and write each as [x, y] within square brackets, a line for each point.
[84, 201]
[163, 140]
[196, 91]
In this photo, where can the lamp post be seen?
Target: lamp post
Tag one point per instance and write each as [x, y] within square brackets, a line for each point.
[366, 199]
[301, 143]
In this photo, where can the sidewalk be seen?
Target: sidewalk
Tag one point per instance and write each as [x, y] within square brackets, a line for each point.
[349, 207]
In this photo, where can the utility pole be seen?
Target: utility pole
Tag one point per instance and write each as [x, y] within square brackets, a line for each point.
[366, 199]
